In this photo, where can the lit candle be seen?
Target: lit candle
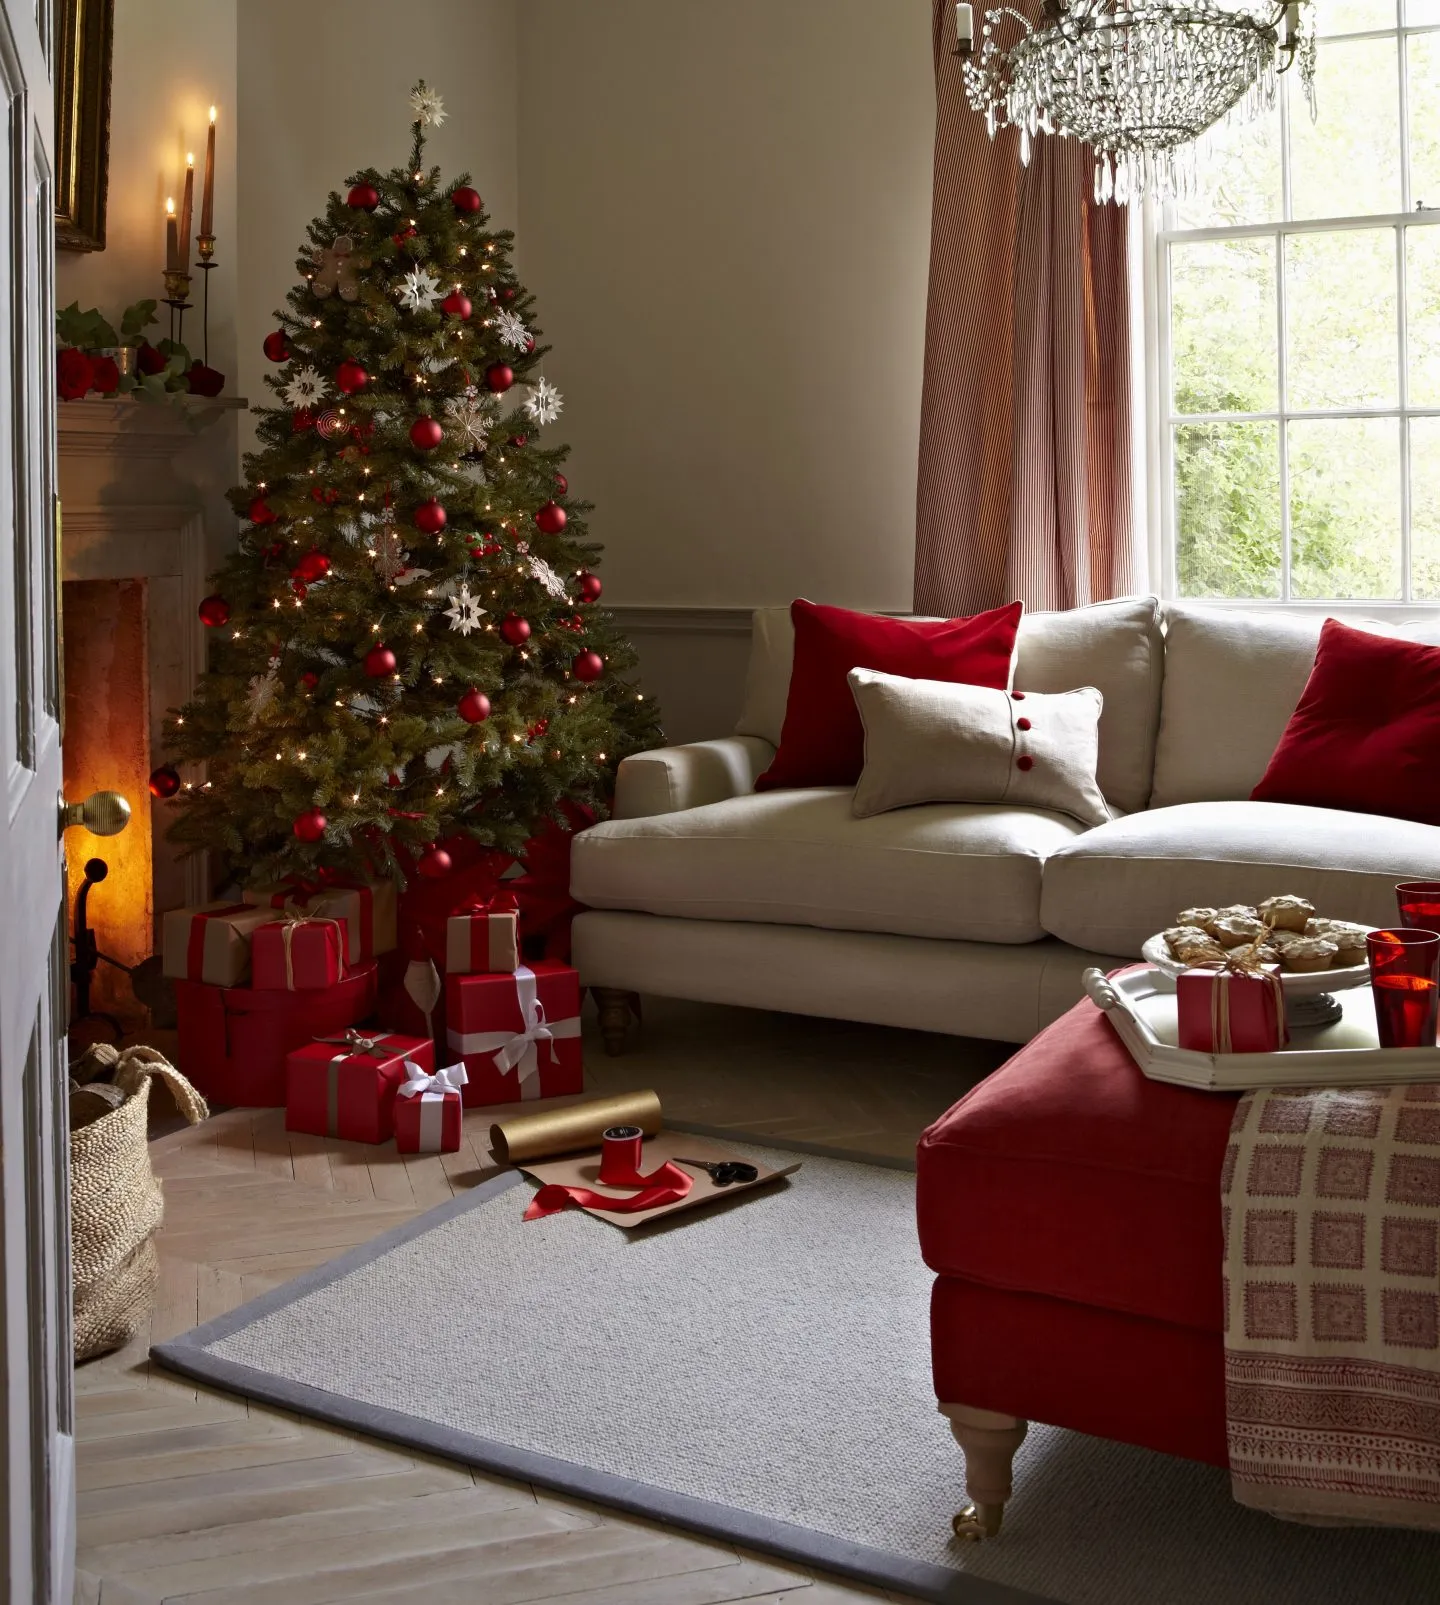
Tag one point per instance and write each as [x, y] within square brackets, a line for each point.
[172, 238]
[187, 205]
[207, 200]
[964, 26]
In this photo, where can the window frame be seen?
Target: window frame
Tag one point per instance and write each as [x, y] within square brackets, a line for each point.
[1154, 231]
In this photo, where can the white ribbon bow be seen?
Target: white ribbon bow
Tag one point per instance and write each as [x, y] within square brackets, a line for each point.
[519, 1051]
[432, 1091]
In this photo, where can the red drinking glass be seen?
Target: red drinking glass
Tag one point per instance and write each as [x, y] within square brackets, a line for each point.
[1419, 904]
[1405, 978]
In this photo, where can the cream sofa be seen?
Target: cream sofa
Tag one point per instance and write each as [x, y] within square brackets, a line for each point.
[968, 919]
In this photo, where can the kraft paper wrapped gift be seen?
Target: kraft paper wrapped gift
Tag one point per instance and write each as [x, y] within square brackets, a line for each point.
[346, 1086]
[210, 943]
[1231, 1011]
[297, 954]
[484, 939]
[519, 1035]
[366, 909]
[428, 1110]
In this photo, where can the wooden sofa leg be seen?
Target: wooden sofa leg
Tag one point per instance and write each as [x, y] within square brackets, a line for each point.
[616, 1006]
[989, 1441]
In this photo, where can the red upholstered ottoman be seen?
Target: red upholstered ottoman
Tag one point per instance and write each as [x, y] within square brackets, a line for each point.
[1071, 1212]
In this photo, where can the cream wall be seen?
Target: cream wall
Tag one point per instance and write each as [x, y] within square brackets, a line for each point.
[724, 213]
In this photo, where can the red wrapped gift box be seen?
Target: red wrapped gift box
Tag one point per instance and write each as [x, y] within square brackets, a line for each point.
[297, 954]
[367, 910]
[428, 1112]
[484, 940]
[519, 1035]
[346, 1088]
[233, 1040]
[211, 943]
[1231, 1011]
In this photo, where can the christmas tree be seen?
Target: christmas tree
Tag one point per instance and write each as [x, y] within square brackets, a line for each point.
[405, 646]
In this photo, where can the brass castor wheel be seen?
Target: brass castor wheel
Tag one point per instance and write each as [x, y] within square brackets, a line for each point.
[978, 1521]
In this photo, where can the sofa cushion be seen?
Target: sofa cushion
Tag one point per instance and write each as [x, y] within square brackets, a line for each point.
[1115, 646]
[1068, 1173]
[1232, 680]
[952, 870]
[1118, 884]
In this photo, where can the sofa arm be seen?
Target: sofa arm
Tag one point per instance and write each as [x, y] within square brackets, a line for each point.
[671, 778]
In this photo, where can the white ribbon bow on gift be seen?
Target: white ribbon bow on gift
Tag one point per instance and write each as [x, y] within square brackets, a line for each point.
[431, 1091]
[519, 1051]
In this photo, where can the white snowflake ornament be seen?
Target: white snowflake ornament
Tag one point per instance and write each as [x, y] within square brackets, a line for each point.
[544, 405]
[541, 570]
[512, 330]
[427, 105]
[389, 555]
[303, 388]
[262, 690]
[418, 290]
[472, 415]
[464, 612]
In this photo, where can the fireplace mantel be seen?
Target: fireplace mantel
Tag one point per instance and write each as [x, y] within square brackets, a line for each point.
[95, 427]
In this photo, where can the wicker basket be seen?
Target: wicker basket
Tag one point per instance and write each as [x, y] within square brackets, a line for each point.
[115, 1201]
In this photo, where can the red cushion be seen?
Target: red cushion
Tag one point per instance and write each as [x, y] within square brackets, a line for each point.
[822, 742]
[1366, 735]
[1067, 1173]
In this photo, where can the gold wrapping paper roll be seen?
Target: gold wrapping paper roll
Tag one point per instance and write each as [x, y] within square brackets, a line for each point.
[579, 1125]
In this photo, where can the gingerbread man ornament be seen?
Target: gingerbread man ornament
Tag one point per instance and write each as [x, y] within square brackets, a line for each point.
[337, 269]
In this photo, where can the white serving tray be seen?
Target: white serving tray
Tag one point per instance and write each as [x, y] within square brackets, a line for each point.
[1142, 1007]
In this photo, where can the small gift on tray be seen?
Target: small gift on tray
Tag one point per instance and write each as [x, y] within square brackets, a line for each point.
[483, 938]
[519, 1035]
[211, 943]
[366, 909]
[1232, 1005]
[428, 1110]
[297, 953]
[344, 1085]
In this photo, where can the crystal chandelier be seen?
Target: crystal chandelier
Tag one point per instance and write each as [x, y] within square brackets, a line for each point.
[1138, 80]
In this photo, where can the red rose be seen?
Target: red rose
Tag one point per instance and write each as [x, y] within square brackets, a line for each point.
[104, 375]
[148, 360]
[205, 381]
[75, 373]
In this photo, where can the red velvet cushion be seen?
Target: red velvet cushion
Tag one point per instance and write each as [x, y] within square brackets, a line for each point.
[1067, 1173]
[1366, 735]
[822, 742]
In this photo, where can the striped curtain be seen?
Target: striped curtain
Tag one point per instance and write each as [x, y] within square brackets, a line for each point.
[1024, 475]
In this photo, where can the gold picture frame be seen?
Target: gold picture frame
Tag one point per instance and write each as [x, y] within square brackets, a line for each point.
[84, 43]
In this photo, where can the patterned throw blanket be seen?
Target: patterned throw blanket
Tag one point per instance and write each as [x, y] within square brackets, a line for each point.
[1332, 1289]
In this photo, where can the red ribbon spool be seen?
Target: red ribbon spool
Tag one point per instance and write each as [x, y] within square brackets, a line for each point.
[620, 1157]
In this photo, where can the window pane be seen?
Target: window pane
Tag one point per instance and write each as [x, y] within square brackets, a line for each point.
[1421, 13]
[1347, 162]
[1341, 341]
[1423, 58]
[1345, 508]
[1237, 175]
[1425, 509]
[1227, 492]
[1422, 306]
[1353, 16]
[1222, 297]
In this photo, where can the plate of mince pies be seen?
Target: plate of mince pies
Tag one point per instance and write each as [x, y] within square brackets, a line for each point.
[1315, 955]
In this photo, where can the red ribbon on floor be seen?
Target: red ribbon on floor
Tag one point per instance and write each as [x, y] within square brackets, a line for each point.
[666, 1185]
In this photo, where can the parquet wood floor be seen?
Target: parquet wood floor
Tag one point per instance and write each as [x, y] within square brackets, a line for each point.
[186, 1494]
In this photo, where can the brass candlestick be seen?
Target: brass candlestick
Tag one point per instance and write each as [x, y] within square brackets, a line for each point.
[177, 298]
[205, 243]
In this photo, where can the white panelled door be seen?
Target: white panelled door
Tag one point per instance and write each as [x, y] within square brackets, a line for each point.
[36, 1450]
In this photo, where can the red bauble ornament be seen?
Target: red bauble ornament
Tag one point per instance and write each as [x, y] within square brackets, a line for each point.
[277, 346]
[429, 518]
[426, 434]
[551, 518]
[456, 305]
[473, 707]
[379, 661]
[499, 376]
[561, 484]
[260, 512]
[310, 826]
[309, 679]
[517, 441]
[301, 420]
[363, 197]
[214, 611]
[589, 586]
[164, 781]
[350, 376]
[466, 199]
[514, 629]
[312, 566]
[434, 862]
[588, 666]
[300, 589]
[508, 293]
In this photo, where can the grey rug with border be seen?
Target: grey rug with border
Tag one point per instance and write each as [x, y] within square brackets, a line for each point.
[759, 1373]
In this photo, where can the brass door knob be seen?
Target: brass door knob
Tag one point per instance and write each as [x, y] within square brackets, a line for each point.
[103, 813]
